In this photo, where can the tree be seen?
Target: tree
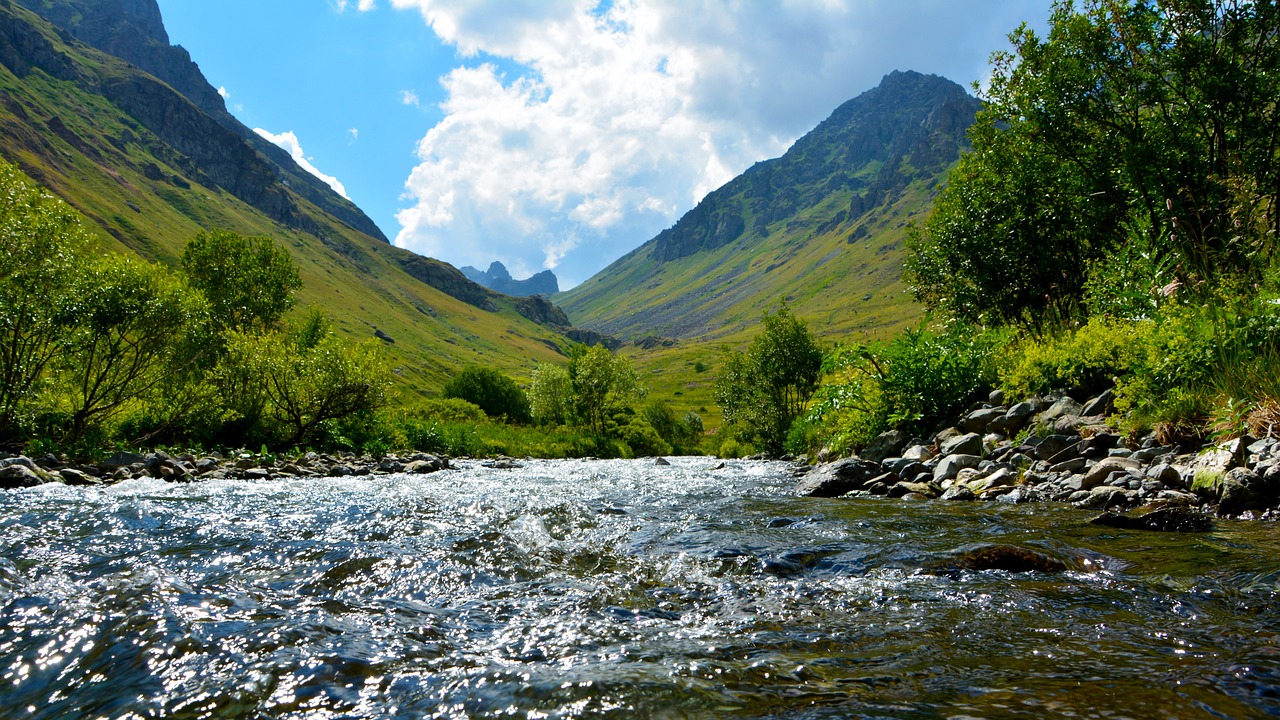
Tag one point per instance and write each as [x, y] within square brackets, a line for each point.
[1131, 114]
[127, 323]
[601, 380]
[551, 395]
[495, 393]
[248, 281]
[44, 248]
[764, 390]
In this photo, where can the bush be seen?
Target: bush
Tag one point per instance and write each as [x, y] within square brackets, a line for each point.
[1081, 362]
[910, 382]
[494, 393]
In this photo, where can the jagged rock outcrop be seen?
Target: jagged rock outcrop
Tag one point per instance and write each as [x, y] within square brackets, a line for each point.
[498, 278]
[542, 311]
[448, 280]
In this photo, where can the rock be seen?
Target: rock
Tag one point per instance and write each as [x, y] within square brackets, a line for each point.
[1062, 408]
[1101, 405]
[1220, 459]
[951, 465]
[502, 464]
[837, 478]
[885, 445]
[1104, 497]
[1166, 474]
[903, 488]
[1103, 468]
[72, 476]
[1016, 496]
[1019, 415]
[122, 459]
[1165, 519]
[661, 462]
[996, 397]
[1241, 489]
[967, 444]
[18, 476]
[1056, 448]
[1009, 558]
[989, 481]
[422, 467]
[1068, 466]
[918, 452]
[979, 420]
[390, 465]
[257, 473]
[959, 492]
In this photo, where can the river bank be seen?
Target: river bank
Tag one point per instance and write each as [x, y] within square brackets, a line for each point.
[1060, 450]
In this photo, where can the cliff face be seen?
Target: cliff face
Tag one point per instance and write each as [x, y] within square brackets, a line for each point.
[194, 120]
[498, 278]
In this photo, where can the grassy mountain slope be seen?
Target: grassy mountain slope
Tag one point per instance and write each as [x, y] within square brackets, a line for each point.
[822, 227]
[151, 170]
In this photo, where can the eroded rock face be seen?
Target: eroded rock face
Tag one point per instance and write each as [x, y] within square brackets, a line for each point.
[838, 478]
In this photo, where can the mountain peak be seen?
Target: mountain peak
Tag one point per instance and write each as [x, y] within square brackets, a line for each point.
[499, 279]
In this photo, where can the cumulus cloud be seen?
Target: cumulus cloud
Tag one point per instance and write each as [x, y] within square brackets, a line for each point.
[619, 116]
[289, 143]
[355, 135]
[409, 97]
[223, 92]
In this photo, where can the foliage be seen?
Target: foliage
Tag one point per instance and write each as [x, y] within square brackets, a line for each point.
[910, 382]
[683, 433]
[1083, 361]
[601, 381]
[490, 390]
[249, 281]
[45, 247]
[1151, 115]
[125, 333]
[551, 395]
[763, 390]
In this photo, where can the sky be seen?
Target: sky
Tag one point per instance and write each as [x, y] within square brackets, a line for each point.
[560, 134]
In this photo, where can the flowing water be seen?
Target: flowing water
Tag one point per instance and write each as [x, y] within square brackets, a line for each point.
[613, 589]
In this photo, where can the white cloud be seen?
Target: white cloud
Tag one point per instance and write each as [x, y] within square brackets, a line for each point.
[612, 119]
[362, 5]
[409, 97]
[289, 143]
[223, 92]
[355, 135]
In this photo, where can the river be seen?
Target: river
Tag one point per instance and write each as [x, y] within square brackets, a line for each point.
[623, 589]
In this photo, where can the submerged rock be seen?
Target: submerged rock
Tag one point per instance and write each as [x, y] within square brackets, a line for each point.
[1165, 519]
[1010, 558]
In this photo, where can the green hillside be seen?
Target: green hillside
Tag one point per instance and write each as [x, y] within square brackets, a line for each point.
[150, 169]
[821, 227]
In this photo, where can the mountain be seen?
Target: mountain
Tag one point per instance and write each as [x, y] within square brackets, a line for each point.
[143, 147]
[498, 278]
[821, 227]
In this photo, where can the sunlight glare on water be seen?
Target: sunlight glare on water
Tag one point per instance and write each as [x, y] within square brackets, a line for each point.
[612, 589]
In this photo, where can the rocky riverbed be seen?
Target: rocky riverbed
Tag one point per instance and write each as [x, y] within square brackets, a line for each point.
[1071, 455]
[21, 471]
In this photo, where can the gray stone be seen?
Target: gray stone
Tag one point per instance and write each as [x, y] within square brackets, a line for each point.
[122, 459]
[257, 473]
[1220, 459]
[1165, 519]
[1105, 467]
[1101, 405]
[1068, 466]
[1241, 489]
[967, 444]
[390, 465]
[959, 492]
[662, 462]
[902, 489]
[1056, 448]
[422, 467]
[837, 478]
[1103, 497]
[951, 465]
[1062, 408]
[72, 476]
[18, 476]
[918, 452]
[885, 445]
[1166, 474]
[979, 420]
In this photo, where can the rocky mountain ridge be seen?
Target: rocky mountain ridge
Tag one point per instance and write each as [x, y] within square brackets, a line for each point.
[498, 278]
[830, 214]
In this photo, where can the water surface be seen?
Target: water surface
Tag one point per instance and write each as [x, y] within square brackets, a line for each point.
[613, 589]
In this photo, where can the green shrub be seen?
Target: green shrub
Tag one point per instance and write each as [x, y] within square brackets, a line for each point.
[1084, 361]
[494, 393]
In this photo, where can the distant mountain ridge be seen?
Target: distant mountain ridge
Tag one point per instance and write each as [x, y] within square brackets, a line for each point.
[821, 226]
[133, 30]
[498, 278]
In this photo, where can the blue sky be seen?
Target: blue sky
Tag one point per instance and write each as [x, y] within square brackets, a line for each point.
[560, 133]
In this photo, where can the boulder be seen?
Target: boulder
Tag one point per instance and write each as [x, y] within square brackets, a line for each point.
[1056, 448]
[1062, 408]
[1166, 519]
[1009, 558]
[122, 459]
[1101, 405]
[959, 492]
[1242, 489]
[951, 465]
[1103, 469]
[979, 420]
[885, 445]
[18, 476]
[1218, 460]
[967, 444]
[837, 478]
